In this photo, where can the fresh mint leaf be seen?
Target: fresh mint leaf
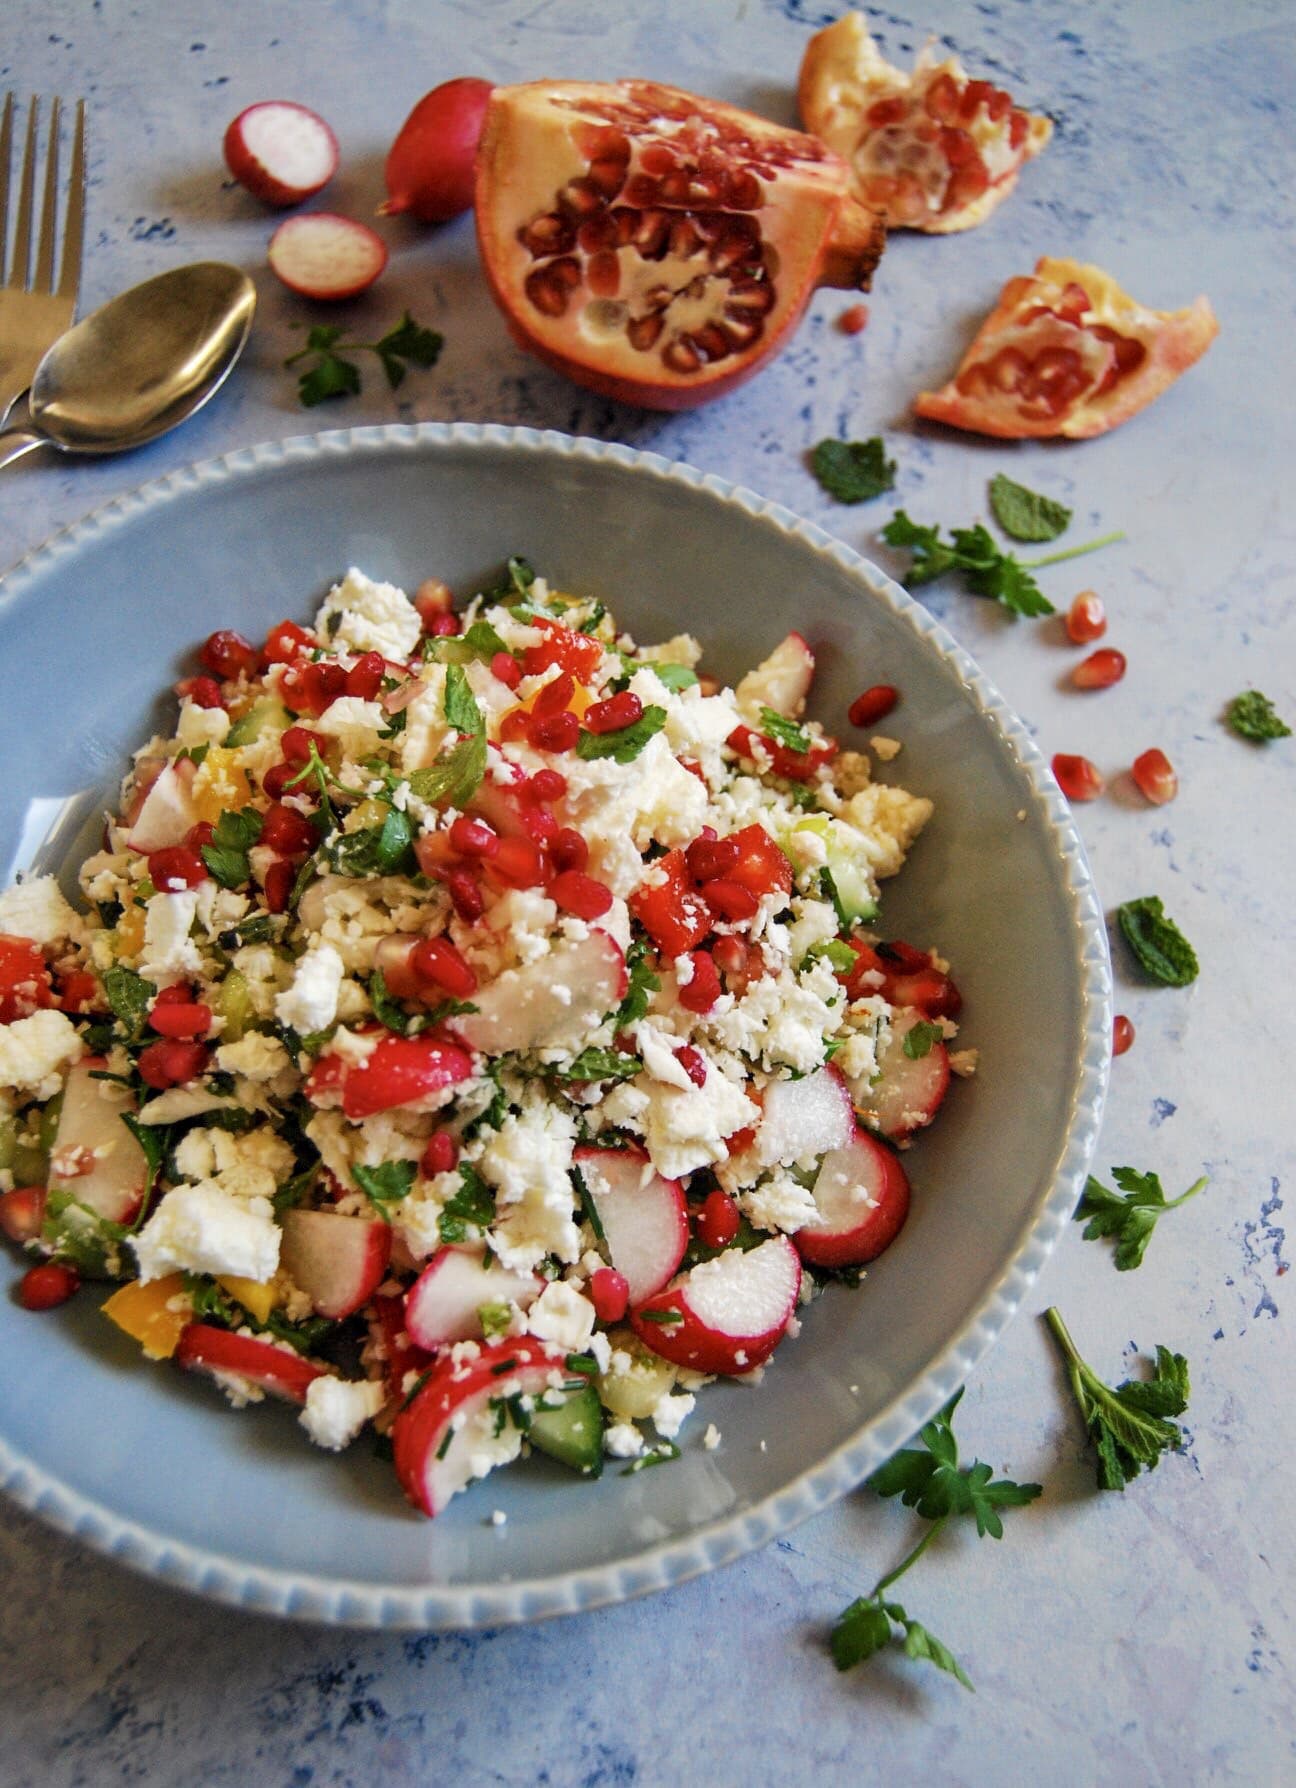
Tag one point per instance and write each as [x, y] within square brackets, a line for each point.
[387, 1009]
[853, 471]
[1131, 1219]
[1025, 514]
[1160, 948]
[642, 982]
[129, 996]
[385, 1185]
[674, 676]
[472, 1206]
[233, 837]
[461, 710]
[456, 776]
[602, 1064]
[1253, 716]
[1130, 1427]
[787, 732]
[626, 744]
[918, 1039]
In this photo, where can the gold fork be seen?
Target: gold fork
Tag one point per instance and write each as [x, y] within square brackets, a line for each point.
[34, 312]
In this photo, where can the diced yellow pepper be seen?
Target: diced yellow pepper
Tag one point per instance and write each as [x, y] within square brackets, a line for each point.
[219, 784]
[258, 1300]
[128, 933]
[141, 1312]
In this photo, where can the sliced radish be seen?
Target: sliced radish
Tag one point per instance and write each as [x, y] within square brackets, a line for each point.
[95, 1157]
[280, 151]
[781, 681]
[337, 1260]
[322, 255]
[444, 1303]
[803, 1119]
[205, 1348]
[909, 1090]
[168, 812]
[393, 959]
[551, 1003]
[509, 812]
[446, 1435]
[725, 1315]
[643, 1216]
[398, 1072]
[862, 1196]
[145, 774]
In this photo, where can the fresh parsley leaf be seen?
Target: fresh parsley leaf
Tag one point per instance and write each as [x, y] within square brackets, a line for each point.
[456, 776]
[473, 1205]
[853, 471]
[918, 1039]
[674, 676]
[482, 641]
[865, 1628]
[1025, 514]
[624, 745]
[989, 571]
[777, 726]
[1130, 1426]
[1161, 949]
[408, 341]
[642, 982]
[1252, 715]
[307, 1336]
[385, 1185]
[331, 377]
[387, 1009]
[1130, 1219]
[130, 996]
[934, 1483]
[232, 838]
[334, 376]
[602, 1064]
[296, 1190]
[373, 850]
[838, 953]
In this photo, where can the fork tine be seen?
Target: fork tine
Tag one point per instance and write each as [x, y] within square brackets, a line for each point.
[74, 230]
[44, 280]
[6, 150]
[22, 228]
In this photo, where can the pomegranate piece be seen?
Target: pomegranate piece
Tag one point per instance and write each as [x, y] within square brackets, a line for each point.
[205, 1348]
[934, 150]
[854, 319]
[862, 1197]
[322, 255]
[1066, 352]
[1100, 669]
[609, 1294]
[725, 1315]
[1155, 777]
[1078, 779]
[642, 1215]
[1086, 619]
[25, 984]
[281, 152]
[1122, 1034]
[874, 705]
[337, 1260]
[654, 246]
[45, 1287]
[444, 1303]
[22, 1212]
[429, 170]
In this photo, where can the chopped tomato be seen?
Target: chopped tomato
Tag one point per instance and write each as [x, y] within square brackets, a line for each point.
[24, 979]
[570, 651]
[669, 907]
[907, 979]
[796, 766]
[1067, 352]
[762, 865]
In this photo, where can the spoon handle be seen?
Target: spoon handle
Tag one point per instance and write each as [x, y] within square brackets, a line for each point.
[16, 443]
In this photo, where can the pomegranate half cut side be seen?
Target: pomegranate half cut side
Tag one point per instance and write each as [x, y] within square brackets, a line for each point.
[654, 246]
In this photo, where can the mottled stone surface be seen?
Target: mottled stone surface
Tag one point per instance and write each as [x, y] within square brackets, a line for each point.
[1137, 1639]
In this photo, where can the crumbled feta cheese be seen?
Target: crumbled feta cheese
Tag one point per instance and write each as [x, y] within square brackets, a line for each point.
[354, 723]
[888, 819]
[201, 726]
[528, 1161]
[561, 1315]
[169, 954]
[711, 1439]
[658, 1053]
[498, 1518]
[36, 909]
[669, 1413]
[622, 1440]
[682, 1130]
[255, 1055]
[310, 1004]
[36, 1052]
[884, 748]
[778, 1202]
[364, 616]
[338, 1408]
[203, 1229]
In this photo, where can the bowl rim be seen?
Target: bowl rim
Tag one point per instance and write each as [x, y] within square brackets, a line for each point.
[333, 1600]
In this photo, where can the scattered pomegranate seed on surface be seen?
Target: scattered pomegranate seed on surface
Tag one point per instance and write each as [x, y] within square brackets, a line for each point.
[609, 1294]
[1122, 1034]
[874, 705]
[43, 1287]
[1077, 777]
[718, 1220]
[1086, 619]
[1154, 776]
[854, 319]
[1100, 669]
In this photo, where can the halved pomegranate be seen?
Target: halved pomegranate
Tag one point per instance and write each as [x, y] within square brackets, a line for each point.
[655, 246]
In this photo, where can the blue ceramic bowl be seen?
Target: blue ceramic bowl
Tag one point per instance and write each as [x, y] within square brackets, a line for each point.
[148, 1465]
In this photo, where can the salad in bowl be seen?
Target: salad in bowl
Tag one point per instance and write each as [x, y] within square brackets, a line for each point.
[480, 1027]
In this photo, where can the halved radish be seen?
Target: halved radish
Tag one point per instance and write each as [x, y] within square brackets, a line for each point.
[168, 812]
[322, 255]
[802, 1119]
[398, 1072]
[447, 1434]
[444, 1303]
[280, 151]
[725, 1315]
[205, 1348]
[862, 1196]
[781, 681]
[643, 1216]
[337, 1260]
[551, 1003]
[95, 1157]
[910, 1089]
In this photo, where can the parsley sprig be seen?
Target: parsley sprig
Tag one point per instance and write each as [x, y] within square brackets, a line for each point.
[408, 344]
[989, 570]
[1253, 716]
[1129, 1219]
[1129, 1426]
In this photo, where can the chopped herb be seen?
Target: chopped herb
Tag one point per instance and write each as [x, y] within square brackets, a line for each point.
[918, 1039]
[387, 1009]
[461, 710]
[988, 570]
[853, 471]
[624, 745]
[838, 953]
[1129, 1426]
[307, 1336]
[667, 1318]
[260, 929]
[444, 1448]
[503, 1367]
[472, 1206]
[777, 726]
[642, 983]
[518, 578]
[494, 1319]
[210, 1302]
[154, 1139]
[456, 776]
[1025, 514]
[674, 676]
[296, 1190]
[581, 1362]
[1162, 950]
[385, 1185]
[130, 996]
[602, 1064]
[232, 838]
[828, 888]
[373, 850]
[662, 1454]
[588, 1207]
[1254, 717]
[866, 1627]
[1131, 1219]
[408, 344]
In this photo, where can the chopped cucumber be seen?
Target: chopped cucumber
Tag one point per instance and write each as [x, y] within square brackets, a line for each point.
[852, 885]
[573, 1432]
[233, 1001]
[266, 714]
[8, 1141]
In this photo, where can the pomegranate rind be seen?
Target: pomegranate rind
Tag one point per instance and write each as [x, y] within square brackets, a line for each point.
[843, 75]
[1171, 340]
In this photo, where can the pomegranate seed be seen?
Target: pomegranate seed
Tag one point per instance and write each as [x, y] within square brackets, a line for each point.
[174, 1061]
[854, 319]
[181, 1020]
[540, 823]
[609, 1293]
[702, 991]
[43, 1287]
[730, 900]
[433, 598]
[277, 778]
[466, 895]
[1086, 619]
[518, 862]
[1122, 1034]
[286, 831]
[473, 837]
[514, 726]
[718, 1221]
[729, 955]
[1100, 669]
[555, 697]
[22, 1213]
[365, 676]
[278, 885]
[440, 1155]
[436, 959]
[283, 643]
[874, 705]
[295, 745]
[203, 692]
[178, 994]
[197, 836]
[547, 785]
[692, 1063]
[176, 867]
[580, 894]
[709, 857]
[554, 732]
[568, 850]
[1154, 774]
[616, 712]
[1077, 777]
[444, 626]
[506, 669]
[228, 655]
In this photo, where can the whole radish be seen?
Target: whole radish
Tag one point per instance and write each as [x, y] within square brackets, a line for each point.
[281, 152]
[429, 170]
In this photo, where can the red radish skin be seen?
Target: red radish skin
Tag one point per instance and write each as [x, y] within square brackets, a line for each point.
[281, 152]
[322, 255]
[444, 1303]
[430, 167]
[643, 1216]
[725, 1315]
[909, 1091]
[205, 1348]
[862, 1195]
[337, 1260]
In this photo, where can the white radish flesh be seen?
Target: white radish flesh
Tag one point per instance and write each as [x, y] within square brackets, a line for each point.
[281, 152]
[551, 1003]
[643, 1216]
[803, 1119]
[95, 1157]
[337, 1260]
[781, 681]
[444, 1304]
[322, 255]
[725, 1315]
[167, 815]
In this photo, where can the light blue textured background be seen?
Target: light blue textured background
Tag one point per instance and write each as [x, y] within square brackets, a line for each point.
[1142, 1639]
